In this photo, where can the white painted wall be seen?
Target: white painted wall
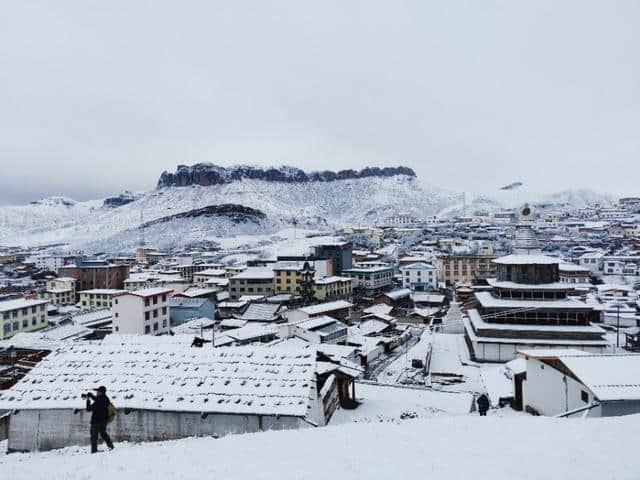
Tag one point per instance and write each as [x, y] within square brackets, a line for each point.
[550, 392]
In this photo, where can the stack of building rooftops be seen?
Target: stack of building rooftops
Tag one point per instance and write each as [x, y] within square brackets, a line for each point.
[528, 307]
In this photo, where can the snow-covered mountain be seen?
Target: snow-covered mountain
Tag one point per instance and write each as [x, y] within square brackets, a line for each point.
[205, 202]
[285, 195]
[516, 195]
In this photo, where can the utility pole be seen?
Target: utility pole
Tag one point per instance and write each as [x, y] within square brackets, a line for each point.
[12, 356]
[618, 328]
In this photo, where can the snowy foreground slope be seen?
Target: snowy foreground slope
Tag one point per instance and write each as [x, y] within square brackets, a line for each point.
[441, 448]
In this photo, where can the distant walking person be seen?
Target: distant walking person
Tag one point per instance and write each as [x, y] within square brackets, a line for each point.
[483, 405]
[100, 416]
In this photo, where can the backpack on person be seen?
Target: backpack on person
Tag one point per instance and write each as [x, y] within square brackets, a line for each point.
[111, 413]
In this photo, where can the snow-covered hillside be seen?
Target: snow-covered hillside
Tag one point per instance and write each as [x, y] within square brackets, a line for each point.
[443, 448]
[285, 195]
[362, 201]
[515, 197]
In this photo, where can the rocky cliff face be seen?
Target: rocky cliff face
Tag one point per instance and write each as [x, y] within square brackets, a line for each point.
[233, 213]
[208, 174]
[120, 200]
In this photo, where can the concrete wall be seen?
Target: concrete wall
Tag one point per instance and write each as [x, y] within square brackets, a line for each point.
[32, 430]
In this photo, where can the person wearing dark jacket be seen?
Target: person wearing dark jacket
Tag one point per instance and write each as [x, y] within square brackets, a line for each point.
[483, 405]
[99, 409]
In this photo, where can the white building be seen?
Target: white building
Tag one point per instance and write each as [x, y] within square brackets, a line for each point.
[566, 380]
[142, 312]
[419, 277]
[592, 260]
[371, 277]
[49, 263]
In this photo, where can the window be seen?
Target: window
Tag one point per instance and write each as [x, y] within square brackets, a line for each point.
[146, 302]
[34, 321]
[155, 313]
[155, 300]
[147, 329]
[16, 326]
[146, 315]
[33, 309]
[585, 396]
[164, 298]
[117, 328]
[25, 323]
[116, 314]
[116, 300]
[155, 327]
[164, 310]
[164, 324]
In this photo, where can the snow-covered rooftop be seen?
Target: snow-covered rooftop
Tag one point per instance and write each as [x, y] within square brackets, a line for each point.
[555, 286]
[417, 266]
[243, 380]
[261, 312]
[572, 267]
[326, 307]
[528, 342]
[193, 326]
[609, 377]
[418, 297]
[316, 322]
[253, 273]
[480, 323]
[398, 294]
[149, 292]
[196, 292]
[381, 308]
[526, 260]
[9, 305]
[103, 291]
[489, 301]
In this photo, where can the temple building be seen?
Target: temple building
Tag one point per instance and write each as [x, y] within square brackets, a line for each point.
[529, 307]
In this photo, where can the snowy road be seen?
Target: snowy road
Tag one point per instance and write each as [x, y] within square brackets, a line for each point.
[382, 363]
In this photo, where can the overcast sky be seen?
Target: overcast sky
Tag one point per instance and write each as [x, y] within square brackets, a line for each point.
[101, 96]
